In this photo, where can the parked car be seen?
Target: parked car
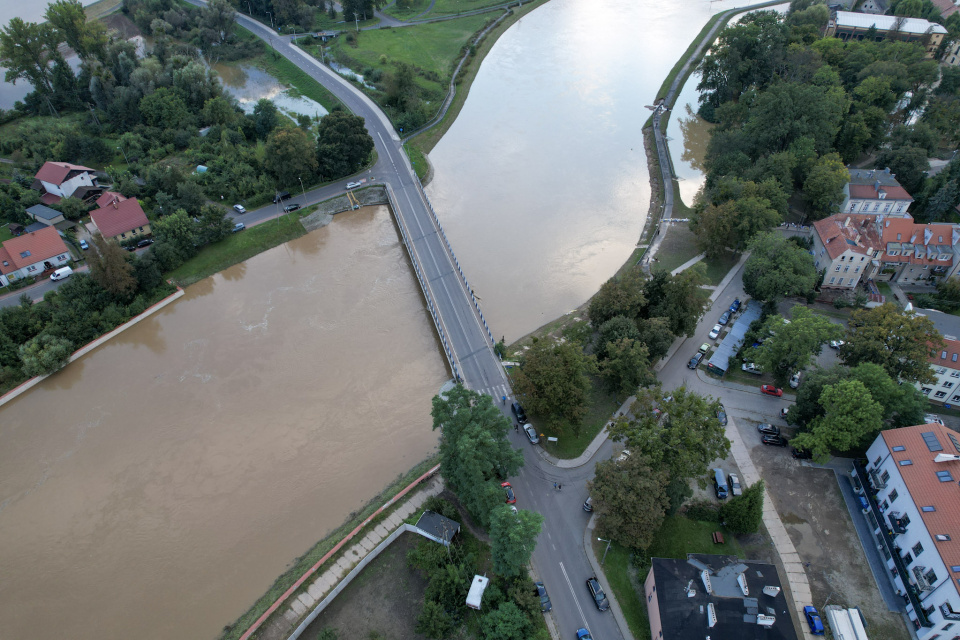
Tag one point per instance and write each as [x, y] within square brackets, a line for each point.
[795, 380]
[588, 504]
[836, 344]
[281, 196]
[771, 390]
[239, 209]
[720, 484]
[353, 185]
[775, 441]
[583, 634]
[725, 318]
[545, 604]
[84, 245]
[715, 332]
[763, 427]
[813, 619]
[61, 274]
[800, 454]
[531, 433]
[695, 360]
[735, 306]
[291, 207]
[508, 491]
[722, 415]
[623, 455]
[239, 227]
[599, 597]
[932, 419]
[750, 367]
[735, 484]
[704, 347]
[784, 412]
[146, 242]
[518, 412]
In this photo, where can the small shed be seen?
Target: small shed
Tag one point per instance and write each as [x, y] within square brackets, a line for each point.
[437, 527]
[477, 588]
[15, 229]
[44, 214]
[733, 340]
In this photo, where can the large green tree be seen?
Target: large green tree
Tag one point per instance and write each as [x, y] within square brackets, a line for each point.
[513, 537]
[679, 433]
[110, 268]
[87, 38]
[744, 513]
[618, 296]
[851, 417]
[506, 622]
[899, 341]
[474, 450]
[289, 156]
[45, 354]
[778, 268]
[629, 500]
[793, 346]
[553, 381]
[678, 298]
[343, 144]
[823, 188]
[626, 366]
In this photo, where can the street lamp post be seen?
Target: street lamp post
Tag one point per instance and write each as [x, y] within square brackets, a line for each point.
[271, 21]
[304, 191]
[357, 21]
[249, 9]
[605, 552]
[124, 156]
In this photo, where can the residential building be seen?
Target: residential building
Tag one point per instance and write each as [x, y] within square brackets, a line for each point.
[847, 25]
[31, 254]
[946, 368]
[64, 180]
[844, 247]
[909, 495]
[44, 214]
[947, 7]
[952, 55]
[108, 197]
[876, 7]
[875, 191]
[708, 596]
[120, 220]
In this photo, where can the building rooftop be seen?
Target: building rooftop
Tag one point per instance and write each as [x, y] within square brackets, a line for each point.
[886, 23]
[108, 197]
[120, 216]
[39, 211]
[440, 528]
[947, 7]
[720, 359]
[856, 232]
[921, 445]
[721, 597]
[34, 247]
[948, 356]
[59, 172]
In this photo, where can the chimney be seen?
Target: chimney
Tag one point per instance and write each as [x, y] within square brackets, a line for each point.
[846, 223]
[116, 202]
[876, 185]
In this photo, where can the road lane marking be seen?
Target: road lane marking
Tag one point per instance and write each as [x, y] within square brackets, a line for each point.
[573, 593]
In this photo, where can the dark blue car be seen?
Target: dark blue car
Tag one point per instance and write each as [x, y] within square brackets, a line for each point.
[735, 306]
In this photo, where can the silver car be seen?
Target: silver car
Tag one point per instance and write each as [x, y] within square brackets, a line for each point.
[735, 484]
[531, 433]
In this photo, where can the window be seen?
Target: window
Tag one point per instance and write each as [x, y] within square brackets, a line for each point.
[61, 258]
[917, 549]
[926, 391]
[857, 270]
[832, 280]
[931, 577]
[900, 448]
[31, 268]
[940, 394]
[956, 398]
[944, 476]
[884, 477]
[850, 282]
[942, 537]
[927, 509]
[907, 559]
[893, 495]
[906, 463]
[955, 374]
[930, 439]
[838, 268]
[846, 268]
[947, 385]
[24, 254]
[877, 462]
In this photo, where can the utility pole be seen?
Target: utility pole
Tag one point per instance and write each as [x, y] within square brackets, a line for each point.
[303, 191]
[357, 21]
[124, 156]
[605, 552]
[271, 21]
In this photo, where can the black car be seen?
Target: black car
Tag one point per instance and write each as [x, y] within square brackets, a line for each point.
[283, 195]
[695, 360]
[519, 413]
[146, 242]
[599, 597]
[722, 415]
[291, 207]
[545, 604]
[774, 441]
[768, 428]
[800, 454]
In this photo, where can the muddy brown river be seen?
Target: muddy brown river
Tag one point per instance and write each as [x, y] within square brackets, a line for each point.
[157, 487]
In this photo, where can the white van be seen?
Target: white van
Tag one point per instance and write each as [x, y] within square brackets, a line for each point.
[61, 274]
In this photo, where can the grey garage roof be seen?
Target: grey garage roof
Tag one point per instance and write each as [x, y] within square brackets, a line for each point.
[43, 211]
[731, 342]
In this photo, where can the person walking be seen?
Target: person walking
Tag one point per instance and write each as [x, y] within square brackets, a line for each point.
[559, 487]
[554, 485]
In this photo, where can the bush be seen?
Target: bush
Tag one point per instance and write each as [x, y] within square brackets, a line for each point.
[702, 510]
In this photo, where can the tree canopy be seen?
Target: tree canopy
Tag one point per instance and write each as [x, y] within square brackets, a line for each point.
[778, 268]
[793, 345]
[898, 341]
[553, 381]
[629, 500]
[851, 418]
[513, 537]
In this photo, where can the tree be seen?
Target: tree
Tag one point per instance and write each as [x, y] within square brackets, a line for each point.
[506, 622]
[45, 354]
[433, 621]
[618, 296]
[908, 163]
[513, 537]
[88, 39]
[110, 268]
[190, 197]
[778, 268]
[679, 433]
[290, 155]
[553, 381]
[732, 224]
[744, 513]
[629, 500]
[177, 229]
[266, 117]
[614, 329]
[794, 345]
[900, 342]
[823, 188]
[474, 450]
[678, 298]
[214, 224]
[165, 108]
[217, 20]
[851, 416]
[73, 208]
[343, 144]
[626, 366]
[903, 404]
[656, 335]
[219, 111]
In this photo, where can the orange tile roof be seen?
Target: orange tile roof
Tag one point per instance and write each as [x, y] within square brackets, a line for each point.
[108, 197]
[119, 217]
[50, 198]
[952, 349]
[848, 232]
[6, 262]
[925, 487]
[34, 247]
[867, 192]
[906, 231]
[58, 172]
[946, 8]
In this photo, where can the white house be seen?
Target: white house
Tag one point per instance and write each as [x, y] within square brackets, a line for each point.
[875, 191]
[64, 180]
[31, 254]
[945, 364]
[909, 494]
[844, 248]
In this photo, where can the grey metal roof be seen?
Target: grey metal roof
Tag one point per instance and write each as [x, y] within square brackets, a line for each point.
[43, 211]
[720, 359]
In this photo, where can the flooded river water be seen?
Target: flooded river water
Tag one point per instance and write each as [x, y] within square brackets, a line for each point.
[155, 488]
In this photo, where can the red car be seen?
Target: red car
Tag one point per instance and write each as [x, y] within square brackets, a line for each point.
[508, 490]
[771, 390]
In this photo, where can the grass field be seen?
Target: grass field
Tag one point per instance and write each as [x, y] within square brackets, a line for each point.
[440, 8]
[290, 74]
[601, 407]
[5, 233]
[718, 268]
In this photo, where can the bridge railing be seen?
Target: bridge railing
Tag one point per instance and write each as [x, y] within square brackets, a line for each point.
[424, 286]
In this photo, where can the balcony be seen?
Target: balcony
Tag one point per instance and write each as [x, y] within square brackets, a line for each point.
[913, 594]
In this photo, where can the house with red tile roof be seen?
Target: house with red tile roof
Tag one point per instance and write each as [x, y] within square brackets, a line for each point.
[31, 254]
[59, 180]
[844, 248]
[910, 496]
[875, 191]
[108, 197]
[947, 7]
[120, 220]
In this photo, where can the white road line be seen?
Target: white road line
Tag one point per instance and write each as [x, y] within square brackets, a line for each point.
[572, 593]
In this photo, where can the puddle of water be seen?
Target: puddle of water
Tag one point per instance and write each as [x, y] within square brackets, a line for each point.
[248, 84]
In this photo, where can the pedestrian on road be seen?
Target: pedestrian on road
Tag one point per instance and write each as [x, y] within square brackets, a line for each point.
[559, 487]
[516, 427]
[504, 400]
[554, 485]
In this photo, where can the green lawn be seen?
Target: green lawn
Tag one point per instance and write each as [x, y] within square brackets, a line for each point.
[718, 268]
[601, 409]
[290, 74]
[418, 160]
[677, 247]
[440, 8]
[5, 233]
[238, 247]
[885, 290]
[677, 537]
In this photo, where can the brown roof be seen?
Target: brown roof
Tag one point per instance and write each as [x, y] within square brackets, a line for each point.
[108, 197]
[868, 192]
[119, 217]
[6, 262]
[59, 172]
[926, 489]
[906, 231]
[948, 356]
[946, 7]
[34, 247]
[50, 198]
[848, 232]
